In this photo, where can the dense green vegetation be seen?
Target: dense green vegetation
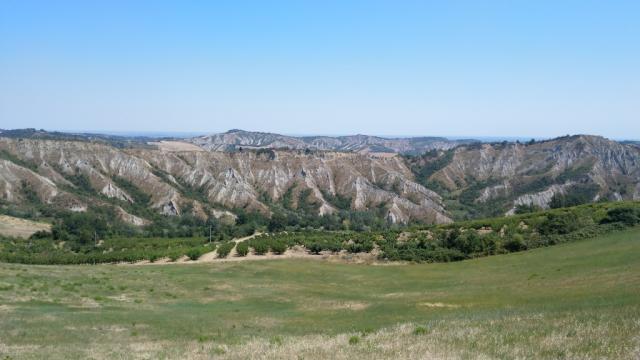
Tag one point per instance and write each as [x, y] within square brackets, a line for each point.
[464, 240]
[87, 238]
[572, 301]
[110, 250]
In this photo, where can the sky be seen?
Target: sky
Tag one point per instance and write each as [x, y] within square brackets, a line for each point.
[395, 68]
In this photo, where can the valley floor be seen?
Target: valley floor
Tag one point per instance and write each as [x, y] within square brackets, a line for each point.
[576, 300]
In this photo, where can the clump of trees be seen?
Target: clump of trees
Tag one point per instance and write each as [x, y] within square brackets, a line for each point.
[628, 216]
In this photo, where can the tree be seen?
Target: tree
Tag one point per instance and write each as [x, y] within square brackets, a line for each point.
[277, 222]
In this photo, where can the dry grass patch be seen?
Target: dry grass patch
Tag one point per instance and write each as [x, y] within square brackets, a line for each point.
[16, 227]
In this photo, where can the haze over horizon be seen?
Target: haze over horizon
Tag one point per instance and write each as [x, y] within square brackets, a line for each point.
[189, 134]
[457, 69]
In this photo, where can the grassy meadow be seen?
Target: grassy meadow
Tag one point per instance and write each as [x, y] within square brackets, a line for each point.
[576, 300]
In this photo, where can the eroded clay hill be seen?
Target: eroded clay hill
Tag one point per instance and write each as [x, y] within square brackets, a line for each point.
[247, 179]
[504, 176]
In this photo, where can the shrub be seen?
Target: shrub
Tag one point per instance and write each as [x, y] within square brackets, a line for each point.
[559, 224]
[194, 253]
[260, 247]
[626, 215]
[242, 248]
[278, 247]
[225, 248]
[315, 248]
[354, 340]
[515, 243]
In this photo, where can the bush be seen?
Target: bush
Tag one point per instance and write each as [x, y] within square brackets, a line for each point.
[278, 247]
[315, 248]
[626, 215]
[242, 248]
[260, 247]
[558, 224]
[354, 340]
[515, 243]
[195, 253]
[225, 248]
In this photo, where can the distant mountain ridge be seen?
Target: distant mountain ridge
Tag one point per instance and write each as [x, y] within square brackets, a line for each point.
[233, 140]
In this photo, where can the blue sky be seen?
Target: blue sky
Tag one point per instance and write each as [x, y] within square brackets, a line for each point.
[452, 68]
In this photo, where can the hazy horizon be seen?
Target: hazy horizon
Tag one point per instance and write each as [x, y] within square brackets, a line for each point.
[187, 134]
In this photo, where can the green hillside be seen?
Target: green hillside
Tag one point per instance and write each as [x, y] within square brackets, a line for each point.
[573, 300]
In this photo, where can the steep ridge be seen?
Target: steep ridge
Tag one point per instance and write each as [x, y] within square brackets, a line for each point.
[504, 176]
[235, 139]
[207, 182]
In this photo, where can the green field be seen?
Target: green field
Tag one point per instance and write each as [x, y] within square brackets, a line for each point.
[573, 300]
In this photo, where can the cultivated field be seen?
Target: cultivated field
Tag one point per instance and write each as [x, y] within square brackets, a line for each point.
[576, 300]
